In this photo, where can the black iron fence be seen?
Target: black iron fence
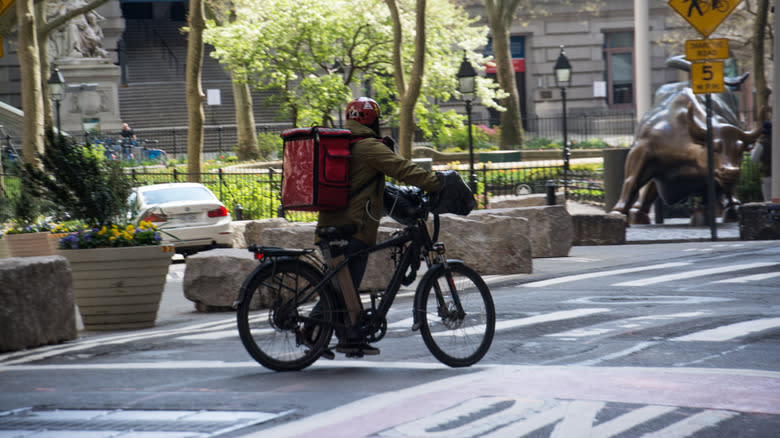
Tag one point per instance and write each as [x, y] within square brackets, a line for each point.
[255, 194]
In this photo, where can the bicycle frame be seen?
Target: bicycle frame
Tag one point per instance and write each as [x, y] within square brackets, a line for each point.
[417, 240]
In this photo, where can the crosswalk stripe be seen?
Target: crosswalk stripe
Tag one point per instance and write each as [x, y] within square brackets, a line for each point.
[547, 317]
[732, 331]
[749, 278]
[693, 274]
[624, 325]
[570, 278]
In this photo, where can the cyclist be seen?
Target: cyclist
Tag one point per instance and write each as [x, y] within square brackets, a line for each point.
[372, 159]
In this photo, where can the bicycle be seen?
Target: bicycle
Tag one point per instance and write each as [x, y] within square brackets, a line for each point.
[453, 308]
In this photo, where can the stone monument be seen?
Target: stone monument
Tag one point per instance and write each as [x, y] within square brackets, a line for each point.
[78, 50]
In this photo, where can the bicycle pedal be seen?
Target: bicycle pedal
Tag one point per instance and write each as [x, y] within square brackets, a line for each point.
[328, 354]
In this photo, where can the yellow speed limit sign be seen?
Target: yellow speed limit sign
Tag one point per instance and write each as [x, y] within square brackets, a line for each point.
[707, 77]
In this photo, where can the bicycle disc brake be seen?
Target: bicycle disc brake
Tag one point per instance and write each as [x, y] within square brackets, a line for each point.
[450, 317]
[371, 328]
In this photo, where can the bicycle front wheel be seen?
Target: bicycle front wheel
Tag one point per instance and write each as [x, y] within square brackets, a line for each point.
[455, 338]
[284, 323]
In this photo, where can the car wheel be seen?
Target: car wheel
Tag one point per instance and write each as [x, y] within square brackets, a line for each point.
[523, 189]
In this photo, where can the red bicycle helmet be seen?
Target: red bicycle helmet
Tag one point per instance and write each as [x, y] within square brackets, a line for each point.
[364, 110]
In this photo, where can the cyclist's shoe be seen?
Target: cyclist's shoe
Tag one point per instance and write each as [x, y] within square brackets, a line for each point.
[356, 349]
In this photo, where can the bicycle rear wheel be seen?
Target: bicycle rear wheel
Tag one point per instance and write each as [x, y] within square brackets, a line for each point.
[457, 340]
[283, 323]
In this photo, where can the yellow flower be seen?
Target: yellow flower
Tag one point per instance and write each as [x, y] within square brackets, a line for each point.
[130, 228]
[103, 230]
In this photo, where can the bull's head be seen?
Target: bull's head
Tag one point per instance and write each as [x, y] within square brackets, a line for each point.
[729, 144]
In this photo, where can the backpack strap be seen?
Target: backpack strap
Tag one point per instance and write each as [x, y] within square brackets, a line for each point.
[375, 180]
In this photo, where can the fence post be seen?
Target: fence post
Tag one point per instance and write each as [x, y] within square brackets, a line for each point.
[219, 133]
[175, 175]
[484, 185]
[220, 184]
[270, 192]
[175, 147]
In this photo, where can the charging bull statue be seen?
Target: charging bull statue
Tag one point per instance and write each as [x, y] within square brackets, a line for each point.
[669, 154]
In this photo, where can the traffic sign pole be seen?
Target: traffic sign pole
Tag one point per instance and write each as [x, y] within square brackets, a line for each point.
[707, 77]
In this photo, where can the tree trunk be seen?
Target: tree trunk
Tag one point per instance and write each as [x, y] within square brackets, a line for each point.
[499, 19]
[43, 58]
[30, 69]
[409, 94]
[195, 96]
[759, 43]
[245, 121]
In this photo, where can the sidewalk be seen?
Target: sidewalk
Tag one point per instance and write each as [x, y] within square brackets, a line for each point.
[672, 230]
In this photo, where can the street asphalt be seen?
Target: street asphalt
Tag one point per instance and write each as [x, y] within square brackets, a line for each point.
[175, 308]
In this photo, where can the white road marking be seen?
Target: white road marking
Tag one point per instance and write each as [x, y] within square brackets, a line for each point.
[624, 325]
[689, 426]
[479, 402]
[749, 278]
[547, 317]
[618, 354]
[570, 278]
[696, 273]
[53, 350]
[732, 331]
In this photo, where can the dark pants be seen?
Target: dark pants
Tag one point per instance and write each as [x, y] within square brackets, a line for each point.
[356, 265]
[357, 268]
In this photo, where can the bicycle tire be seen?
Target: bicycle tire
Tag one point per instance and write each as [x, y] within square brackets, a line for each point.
[268, 319]
[456, 342]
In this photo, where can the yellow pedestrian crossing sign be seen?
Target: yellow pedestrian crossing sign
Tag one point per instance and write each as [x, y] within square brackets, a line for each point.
[704, 15]
[4, 5]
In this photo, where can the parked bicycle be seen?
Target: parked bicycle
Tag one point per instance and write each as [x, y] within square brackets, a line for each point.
[290, 289]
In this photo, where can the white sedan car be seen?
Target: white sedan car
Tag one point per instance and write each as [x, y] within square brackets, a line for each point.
[188, 215]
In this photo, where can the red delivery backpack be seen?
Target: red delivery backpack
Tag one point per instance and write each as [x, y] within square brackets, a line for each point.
[315, 169]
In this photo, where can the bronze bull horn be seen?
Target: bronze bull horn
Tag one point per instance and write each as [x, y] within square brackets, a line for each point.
[751, 136]
[699, 133]
[696, 131]
[680, 63]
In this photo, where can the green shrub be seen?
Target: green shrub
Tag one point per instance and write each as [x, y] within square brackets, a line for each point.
[458, 139]
[269, 145]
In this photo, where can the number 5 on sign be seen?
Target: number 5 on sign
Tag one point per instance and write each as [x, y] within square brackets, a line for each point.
[707, 77]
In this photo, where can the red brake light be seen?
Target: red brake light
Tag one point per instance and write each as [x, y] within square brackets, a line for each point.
[154, 217]
[219, 212]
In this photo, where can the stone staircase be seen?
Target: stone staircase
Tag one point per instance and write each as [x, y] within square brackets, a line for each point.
[154, 93]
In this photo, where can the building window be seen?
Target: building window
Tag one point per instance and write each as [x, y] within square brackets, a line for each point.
[619, 69]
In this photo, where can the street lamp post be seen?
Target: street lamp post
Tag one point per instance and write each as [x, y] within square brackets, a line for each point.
[56, 84]
[562, 71]
[466, 75]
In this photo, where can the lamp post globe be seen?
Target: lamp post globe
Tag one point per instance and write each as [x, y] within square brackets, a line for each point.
[466, 86]
[562, 74]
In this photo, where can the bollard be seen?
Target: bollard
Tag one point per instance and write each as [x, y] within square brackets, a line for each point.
[551, 188]
[239, 210]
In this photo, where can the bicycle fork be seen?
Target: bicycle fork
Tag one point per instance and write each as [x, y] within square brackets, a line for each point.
[437, 256]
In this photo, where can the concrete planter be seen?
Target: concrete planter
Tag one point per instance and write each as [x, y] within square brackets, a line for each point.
[31, 244]
[4, 251]
[119, 288]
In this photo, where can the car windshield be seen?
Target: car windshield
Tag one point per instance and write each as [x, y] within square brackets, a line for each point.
[177, 194]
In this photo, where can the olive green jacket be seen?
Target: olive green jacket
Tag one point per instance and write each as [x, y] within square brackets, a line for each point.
[369, 158]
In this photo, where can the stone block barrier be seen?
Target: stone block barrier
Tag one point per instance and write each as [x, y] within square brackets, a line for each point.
[493, 242]
[759, 221]
[549, 228]
[599, 229]
[37, 302]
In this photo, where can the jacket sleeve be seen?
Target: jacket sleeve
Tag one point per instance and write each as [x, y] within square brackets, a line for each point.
[381, 158]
